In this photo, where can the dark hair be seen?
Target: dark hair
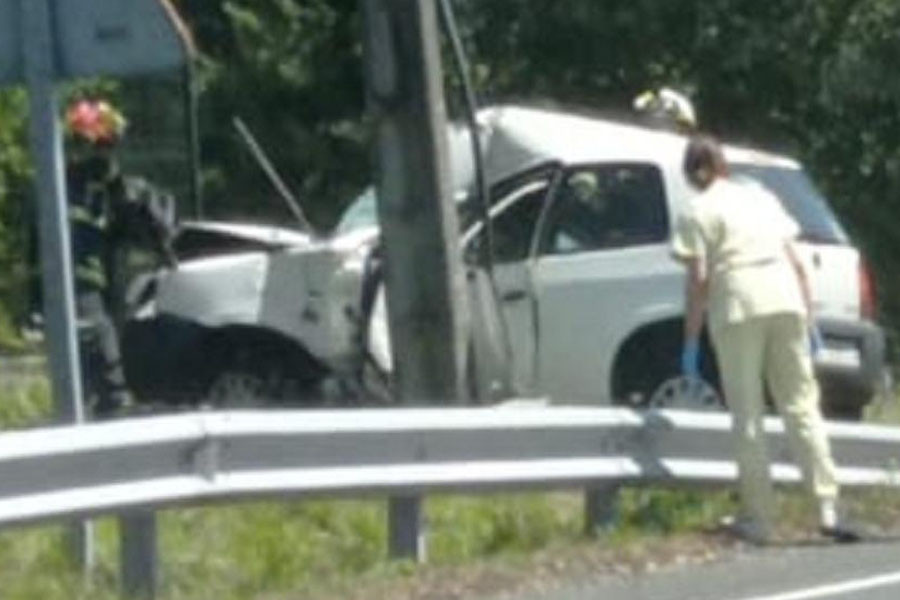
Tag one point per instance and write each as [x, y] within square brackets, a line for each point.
[703, 161]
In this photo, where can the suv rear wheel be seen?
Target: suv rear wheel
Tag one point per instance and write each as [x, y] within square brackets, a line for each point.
[647, 372]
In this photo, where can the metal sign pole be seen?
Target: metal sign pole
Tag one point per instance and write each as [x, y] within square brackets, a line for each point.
[59, 299]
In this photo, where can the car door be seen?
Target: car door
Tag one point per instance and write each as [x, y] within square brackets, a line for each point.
[602, 269]
[516, 209]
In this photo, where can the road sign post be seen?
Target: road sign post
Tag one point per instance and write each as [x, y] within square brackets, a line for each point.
[41, 42]
[59, 303]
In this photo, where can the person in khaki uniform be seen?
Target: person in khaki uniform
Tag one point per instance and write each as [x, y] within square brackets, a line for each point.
[736, 241]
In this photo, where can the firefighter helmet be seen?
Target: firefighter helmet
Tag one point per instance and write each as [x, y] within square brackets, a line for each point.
[95, 121]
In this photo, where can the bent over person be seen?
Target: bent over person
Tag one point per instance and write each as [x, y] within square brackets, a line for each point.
[102, 211]
[736, 242]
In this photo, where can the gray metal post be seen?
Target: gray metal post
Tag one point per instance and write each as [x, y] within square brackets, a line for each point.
[601, 507]
[406, 530]
[138, 559]
[46, 141]
[59, 302]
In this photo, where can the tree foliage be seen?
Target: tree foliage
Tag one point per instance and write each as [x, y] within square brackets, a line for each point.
[14, 176]
[292, 70]
[811, 77]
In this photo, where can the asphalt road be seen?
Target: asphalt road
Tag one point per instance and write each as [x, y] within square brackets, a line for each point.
[868, 571]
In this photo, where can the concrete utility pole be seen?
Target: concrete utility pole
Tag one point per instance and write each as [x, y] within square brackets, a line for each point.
[425, 283]
[423, 274]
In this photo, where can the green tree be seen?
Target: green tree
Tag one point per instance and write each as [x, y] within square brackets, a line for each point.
[811, 77]
[854, 136]
[292, 69]
[15, 172]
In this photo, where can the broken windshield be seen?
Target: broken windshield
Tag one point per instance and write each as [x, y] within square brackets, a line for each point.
[361, 213]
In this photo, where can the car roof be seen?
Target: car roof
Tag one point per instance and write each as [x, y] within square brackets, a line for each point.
[516, 138]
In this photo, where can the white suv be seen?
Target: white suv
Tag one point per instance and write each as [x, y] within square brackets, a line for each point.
[582, 210]
[587, 282]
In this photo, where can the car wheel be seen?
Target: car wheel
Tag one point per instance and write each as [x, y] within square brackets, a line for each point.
[647, 372]
[236, 389]
[851, 412]
[841, 402]
[247, 378]
[686, 394]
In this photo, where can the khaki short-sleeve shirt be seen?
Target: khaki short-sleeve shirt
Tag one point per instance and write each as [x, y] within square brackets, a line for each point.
[738, 231]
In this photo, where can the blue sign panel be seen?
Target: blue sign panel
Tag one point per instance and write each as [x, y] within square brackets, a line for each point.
[118, 37]
[11, 70]
[99, 37]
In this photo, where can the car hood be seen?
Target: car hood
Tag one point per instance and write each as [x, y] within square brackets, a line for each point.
[270, 235]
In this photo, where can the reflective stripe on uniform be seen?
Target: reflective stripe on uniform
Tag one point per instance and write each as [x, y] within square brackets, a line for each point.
[90, 271]
[79, 215]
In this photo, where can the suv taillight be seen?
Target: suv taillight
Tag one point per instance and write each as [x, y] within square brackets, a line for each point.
[867, 292]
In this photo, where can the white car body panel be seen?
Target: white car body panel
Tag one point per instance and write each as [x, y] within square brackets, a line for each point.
[307, 292]
[214, 291]
[379, 336]
[519, 313]
[589, 304]
[833, 276]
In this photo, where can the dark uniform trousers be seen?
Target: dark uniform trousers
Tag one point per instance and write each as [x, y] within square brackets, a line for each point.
[101, 361]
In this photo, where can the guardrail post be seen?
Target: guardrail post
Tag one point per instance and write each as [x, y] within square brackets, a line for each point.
[80, 542]
[406, 534]
[601, 507]
[138, 555]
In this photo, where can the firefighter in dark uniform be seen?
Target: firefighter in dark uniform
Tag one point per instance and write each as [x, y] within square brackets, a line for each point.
[99, 210]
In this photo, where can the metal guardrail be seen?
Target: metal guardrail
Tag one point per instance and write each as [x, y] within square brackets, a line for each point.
[198, 457]
[136, 466]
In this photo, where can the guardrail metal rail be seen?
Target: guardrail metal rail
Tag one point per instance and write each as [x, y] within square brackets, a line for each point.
[144, 464]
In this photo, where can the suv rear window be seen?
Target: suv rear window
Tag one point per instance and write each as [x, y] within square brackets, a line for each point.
[800, 198]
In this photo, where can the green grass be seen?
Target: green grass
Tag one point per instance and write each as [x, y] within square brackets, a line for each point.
[294, 550]
[24, 403]
[10, 340]
[333, 549]
[885, 409]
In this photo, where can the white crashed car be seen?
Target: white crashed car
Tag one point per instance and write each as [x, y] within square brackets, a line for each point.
[582, 212]
[258, 314]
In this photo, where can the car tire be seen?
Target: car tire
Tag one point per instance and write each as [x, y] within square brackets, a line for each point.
[249, 384]
[254, 370]
[843, 412]
[648, 364]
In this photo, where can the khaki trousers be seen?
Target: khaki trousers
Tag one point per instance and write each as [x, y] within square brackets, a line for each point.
[773, 349]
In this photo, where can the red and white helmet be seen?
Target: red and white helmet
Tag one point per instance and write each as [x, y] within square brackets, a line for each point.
[95, 121]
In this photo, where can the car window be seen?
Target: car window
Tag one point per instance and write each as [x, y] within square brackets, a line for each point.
[514, 219]
[361, 213]
[606, 206]
[800, 198]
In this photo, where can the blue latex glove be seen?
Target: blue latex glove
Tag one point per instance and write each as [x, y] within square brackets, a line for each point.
[690, 359]
[816, 343]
